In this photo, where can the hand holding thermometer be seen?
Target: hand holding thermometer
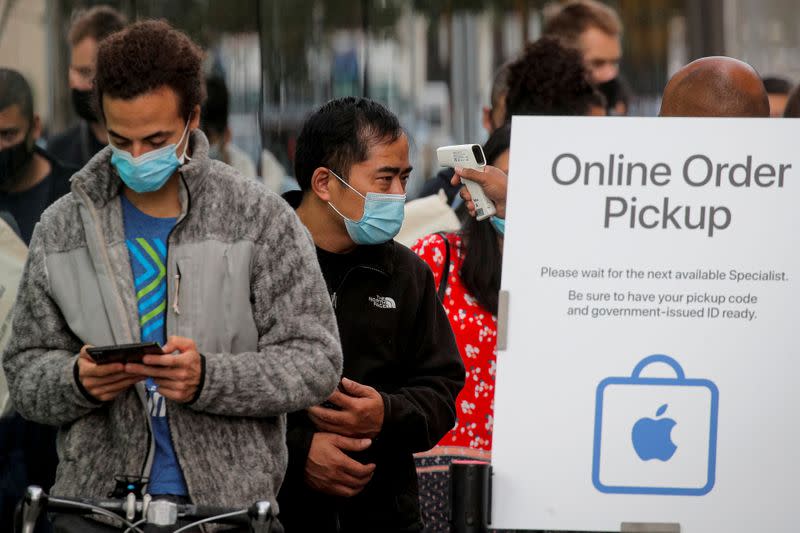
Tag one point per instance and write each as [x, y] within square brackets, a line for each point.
[469, 156]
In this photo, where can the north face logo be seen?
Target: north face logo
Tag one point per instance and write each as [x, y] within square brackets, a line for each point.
[383, 302]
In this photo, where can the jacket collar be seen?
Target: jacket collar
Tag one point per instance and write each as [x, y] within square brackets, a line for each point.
[380, 257]
[101, 183]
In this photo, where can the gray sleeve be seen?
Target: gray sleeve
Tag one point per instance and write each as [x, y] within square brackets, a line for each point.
[41, 353]
[299, 361]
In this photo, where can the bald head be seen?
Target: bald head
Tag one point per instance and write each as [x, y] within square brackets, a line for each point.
[715, 87]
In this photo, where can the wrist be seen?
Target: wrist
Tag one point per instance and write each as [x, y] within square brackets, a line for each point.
[83, 390]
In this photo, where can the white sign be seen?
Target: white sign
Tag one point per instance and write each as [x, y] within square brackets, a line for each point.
[652, 355]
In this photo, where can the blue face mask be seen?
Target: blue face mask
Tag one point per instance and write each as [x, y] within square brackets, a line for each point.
[148, 172]
[499, 225]
[382, 219]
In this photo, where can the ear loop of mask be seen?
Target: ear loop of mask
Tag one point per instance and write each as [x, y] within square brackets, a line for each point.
[185, 155]
[352, 189]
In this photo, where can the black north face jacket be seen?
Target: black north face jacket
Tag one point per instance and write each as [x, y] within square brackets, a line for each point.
[396, 338]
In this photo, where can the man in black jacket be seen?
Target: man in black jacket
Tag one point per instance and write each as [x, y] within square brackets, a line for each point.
[350, 460]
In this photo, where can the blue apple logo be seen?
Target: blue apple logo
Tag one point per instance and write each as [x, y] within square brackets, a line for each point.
[652, 438]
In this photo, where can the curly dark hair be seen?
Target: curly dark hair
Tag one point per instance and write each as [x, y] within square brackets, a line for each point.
[145, 56]
[548, 79]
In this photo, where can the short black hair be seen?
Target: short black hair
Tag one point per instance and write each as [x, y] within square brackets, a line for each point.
[776, 85]
[146, 56]
[340, 134]
[15, 90]
[214, 113]
[548, 79]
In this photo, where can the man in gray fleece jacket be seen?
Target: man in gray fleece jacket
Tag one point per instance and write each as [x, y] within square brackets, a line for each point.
[158, 242]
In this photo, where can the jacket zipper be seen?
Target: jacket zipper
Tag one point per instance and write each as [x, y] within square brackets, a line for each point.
[166, 312]
[334, 302]
[104, 253]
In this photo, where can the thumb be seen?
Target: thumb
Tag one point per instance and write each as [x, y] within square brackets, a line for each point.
[350, 444]
[354, 388]
[177, 344]
[478, 176]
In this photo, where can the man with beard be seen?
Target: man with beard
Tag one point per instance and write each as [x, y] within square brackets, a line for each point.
[30, 180]
[79, 143]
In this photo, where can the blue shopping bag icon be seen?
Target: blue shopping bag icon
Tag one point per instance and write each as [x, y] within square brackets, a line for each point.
[655, 435]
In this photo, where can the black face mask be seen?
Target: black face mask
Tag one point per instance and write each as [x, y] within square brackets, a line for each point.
[82, 103]
[13, 162]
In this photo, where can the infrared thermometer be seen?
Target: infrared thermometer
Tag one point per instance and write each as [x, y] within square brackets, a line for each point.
[469, 156]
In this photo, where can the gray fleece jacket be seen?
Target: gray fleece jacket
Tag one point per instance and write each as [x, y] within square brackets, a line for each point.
[243, 283]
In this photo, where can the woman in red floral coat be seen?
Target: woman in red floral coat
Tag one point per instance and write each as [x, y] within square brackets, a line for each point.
[470, 299]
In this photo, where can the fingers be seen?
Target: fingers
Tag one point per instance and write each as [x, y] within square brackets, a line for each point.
[179, 344]
[355, 469]
[356, 389]
[155, 371]
[327, 416]
[478, 176]
[342, 400]
[88, 368]
[162, 360]
[109, 392]
[176, 391]
[94, 382]
[350, 444]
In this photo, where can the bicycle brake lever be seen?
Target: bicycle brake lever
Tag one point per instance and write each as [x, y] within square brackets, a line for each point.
[261, 518]
[35, 500]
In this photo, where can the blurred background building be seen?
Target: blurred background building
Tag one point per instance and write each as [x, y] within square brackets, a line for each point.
[430, 61]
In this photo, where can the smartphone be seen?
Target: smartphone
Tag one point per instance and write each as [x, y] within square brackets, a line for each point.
[124, 353]
[469, 156]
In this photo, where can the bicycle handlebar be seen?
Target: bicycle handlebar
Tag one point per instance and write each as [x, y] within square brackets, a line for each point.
[259, 516]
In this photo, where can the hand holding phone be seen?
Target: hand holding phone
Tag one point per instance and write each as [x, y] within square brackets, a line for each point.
[469, 156]
[103, 382]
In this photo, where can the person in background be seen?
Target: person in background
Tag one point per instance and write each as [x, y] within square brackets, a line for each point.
[715, 87]
[82, 141]
[493, 117]
[707, 87]
[778, 90]
[549, 79]
[466, 268]
[30, 180]
[351, 467]
[595, 30]
[214, 123]
[792, 109]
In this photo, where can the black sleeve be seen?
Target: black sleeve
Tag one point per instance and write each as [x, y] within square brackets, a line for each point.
[420, 413]
[299, 432]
